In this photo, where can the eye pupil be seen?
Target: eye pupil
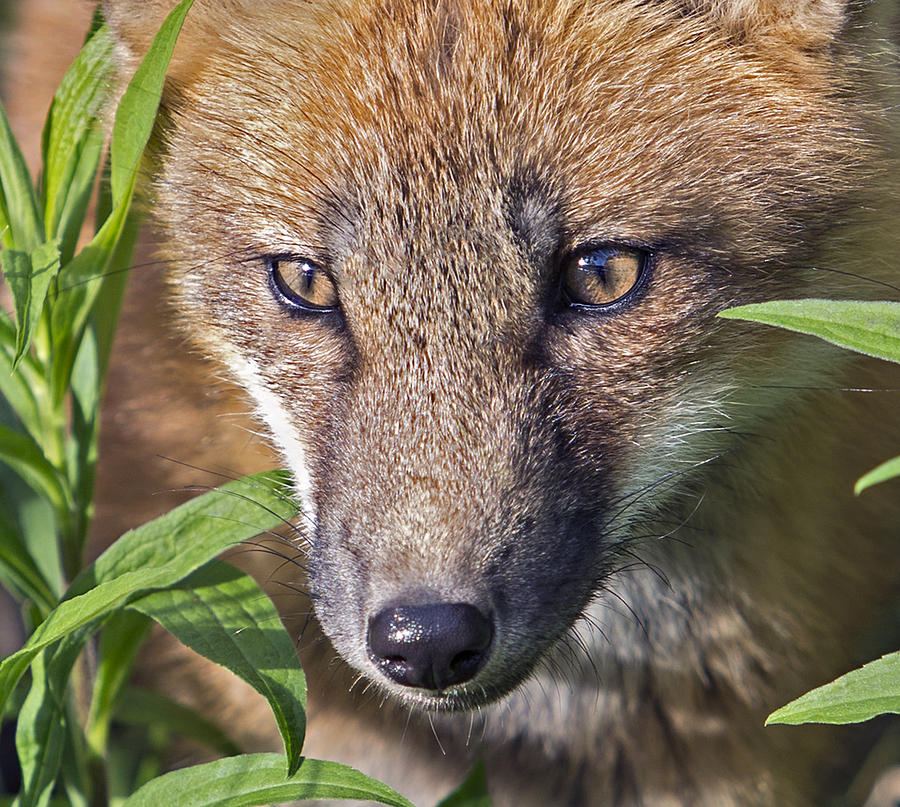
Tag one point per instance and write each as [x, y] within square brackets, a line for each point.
[307, 279]
[602, 276]
[302, 285]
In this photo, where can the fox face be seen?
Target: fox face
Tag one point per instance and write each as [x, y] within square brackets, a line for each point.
[466, 257]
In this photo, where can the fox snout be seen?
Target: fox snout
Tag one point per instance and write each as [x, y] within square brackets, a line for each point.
[431, 646]
[438, 506]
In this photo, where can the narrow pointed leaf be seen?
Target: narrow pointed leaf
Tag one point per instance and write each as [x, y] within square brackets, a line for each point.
[185, 538]
[21, 453]
[122, 635]
[18, 202]
[80, 282]
[142, 707]
[41, 724]
[258, 779]
[472, 792]
[887, 470]
[83, 278]
[18, 387]
[157, 555]
[29, 276]
[222, 613]
[73, 139]
[38, 528]
[137, 109]
[40, 732]
[70, 220]
[18, 571]
[872, 328]
[872, 690]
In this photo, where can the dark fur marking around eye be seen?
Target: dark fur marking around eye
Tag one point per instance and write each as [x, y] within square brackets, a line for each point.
[533, 216]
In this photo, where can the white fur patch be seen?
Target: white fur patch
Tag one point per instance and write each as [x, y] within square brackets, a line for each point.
[285, 435]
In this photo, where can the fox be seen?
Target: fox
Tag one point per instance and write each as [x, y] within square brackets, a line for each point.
[464, 258]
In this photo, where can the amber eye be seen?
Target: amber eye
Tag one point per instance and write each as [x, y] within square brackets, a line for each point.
[302, 284]
[602, 276]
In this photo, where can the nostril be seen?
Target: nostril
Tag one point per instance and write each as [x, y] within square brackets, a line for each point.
[431, 646]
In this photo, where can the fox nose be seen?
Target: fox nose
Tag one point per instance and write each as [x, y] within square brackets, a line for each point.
[430, 646]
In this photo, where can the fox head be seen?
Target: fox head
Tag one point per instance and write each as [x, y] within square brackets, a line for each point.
[466, 256]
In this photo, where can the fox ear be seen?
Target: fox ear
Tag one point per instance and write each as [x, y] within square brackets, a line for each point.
[800, 24]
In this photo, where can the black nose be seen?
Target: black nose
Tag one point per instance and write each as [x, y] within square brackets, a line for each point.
[430, 646]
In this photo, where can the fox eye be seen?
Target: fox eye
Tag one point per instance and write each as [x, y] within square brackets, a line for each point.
[601, 276]
[302, 284]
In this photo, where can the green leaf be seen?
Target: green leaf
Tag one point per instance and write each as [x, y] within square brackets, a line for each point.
[185, 538]
[471, 793]
[40, 732]
[872, 328]
[18, 204]
[22, 454]
[157, 555]
[41, 725]
[19, 387]
[122, 636]
[137, 109]
[18, 572]
[105, 312]
[83, 278]
[258, 779]
[872, 690]
[81, 447]
[29, 276]
[73, 139]
[39, 529]
[80, 283]
[223, 614]
[887, 470]
[141, 707]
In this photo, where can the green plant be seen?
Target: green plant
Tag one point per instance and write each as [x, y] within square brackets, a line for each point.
[872, 328]
[53, 361]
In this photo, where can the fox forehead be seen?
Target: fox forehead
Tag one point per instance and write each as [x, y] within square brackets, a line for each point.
[565, 121]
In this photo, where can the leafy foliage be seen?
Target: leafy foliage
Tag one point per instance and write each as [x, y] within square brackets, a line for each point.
[53, 360]
[472, 792]
[859, 695]
[872, 328]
